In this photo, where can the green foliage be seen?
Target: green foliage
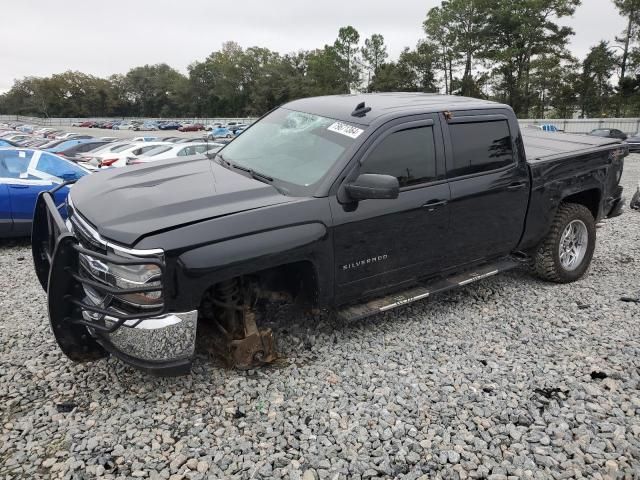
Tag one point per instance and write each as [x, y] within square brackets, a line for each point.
[596, 92]
[514, 51]
[413, 72]
[459, 27]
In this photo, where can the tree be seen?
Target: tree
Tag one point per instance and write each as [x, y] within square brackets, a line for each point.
[374, 54]
[515, 34]
[413, 72]
[421, 62]
[346, 47]
[553, 84]
[631, 10]
[460, 26]
[325, 72]
[156, 90]
[436, 26]
[595, 89]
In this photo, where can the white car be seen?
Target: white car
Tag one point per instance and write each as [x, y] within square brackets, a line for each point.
[144, 139]
[173, 150]
[17, 137]
[66, 136]
[126, 126]
[97, 155]
[119, 158]
[43, 131]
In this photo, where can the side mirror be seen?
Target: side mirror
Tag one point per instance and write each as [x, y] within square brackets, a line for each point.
[69, 176]
[373, 186]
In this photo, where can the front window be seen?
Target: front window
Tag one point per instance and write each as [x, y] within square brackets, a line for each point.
[409, 155]
[292, 147]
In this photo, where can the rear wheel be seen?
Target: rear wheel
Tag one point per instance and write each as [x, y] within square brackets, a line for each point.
[565, 254]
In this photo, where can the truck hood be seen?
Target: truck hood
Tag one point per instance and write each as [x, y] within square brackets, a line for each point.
[126, 204]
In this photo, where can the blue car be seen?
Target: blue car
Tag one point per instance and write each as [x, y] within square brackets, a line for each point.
[67, 144]
[546, 127]
[24, 173]
[220, 132]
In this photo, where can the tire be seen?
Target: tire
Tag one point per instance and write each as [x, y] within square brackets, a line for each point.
[548, 264]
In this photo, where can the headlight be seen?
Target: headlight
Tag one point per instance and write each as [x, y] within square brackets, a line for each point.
[127, 277]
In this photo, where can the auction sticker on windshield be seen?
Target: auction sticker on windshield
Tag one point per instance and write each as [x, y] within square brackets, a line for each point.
[345, 129]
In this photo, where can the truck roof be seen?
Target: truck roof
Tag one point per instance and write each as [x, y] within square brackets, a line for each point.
[542, 146]
[341, 107]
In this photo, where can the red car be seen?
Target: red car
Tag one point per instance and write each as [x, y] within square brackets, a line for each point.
[54, 134]
[88, 123]
[191, 127]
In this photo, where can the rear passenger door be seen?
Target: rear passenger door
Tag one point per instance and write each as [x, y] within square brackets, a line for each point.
[489, 183]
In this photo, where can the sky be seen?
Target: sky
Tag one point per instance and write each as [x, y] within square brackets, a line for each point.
[40, 37]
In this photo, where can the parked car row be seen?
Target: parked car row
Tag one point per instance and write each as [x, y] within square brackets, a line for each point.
[43, 158]
[104, 152]
[151, 125]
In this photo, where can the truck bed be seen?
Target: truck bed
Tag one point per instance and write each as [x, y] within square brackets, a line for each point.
[543, 146]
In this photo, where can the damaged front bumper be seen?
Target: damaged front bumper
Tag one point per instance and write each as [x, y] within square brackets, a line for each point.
[163, 344]
[88, 317]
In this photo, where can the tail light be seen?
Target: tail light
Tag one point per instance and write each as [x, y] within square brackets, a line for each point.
[108, 162]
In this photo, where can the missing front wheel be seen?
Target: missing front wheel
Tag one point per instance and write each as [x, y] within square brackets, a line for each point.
[235, 338]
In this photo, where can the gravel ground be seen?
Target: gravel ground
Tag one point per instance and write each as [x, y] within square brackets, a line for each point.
[507, 378]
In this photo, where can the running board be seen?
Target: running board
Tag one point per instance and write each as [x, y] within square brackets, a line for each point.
[382, 304]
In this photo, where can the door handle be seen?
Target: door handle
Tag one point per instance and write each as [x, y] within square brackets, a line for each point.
[516, 186]
[18, 186]
[432, 205]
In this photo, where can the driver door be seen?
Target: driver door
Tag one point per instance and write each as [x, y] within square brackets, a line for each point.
[385, 243]
[23, 184]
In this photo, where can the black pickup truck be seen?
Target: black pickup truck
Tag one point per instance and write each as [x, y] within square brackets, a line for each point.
[354, 204]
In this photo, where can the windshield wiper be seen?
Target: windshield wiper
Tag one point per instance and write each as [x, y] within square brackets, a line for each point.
[253, 173]
[261, 177]
[222, 159]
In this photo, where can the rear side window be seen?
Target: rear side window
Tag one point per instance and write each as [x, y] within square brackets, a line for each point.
[480, 147]
[14, 163]
[408, 155]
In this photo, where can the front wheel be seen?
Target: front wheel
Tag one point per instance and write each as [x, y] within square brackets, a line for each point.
[565, 254]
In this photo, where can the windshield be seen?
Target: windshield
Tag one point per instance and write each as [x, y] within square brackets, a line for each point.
[293, 147]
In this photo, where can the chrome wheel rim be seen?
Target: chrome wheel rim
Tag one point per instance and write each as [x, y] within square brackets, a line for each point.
[573, 245]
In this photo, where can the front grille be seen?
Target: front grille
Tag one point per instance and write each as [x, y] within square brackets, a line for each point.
[100, 288]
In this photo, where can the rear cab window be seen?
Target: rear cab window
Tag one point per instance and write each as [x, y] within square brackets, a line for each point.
[480, 147]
